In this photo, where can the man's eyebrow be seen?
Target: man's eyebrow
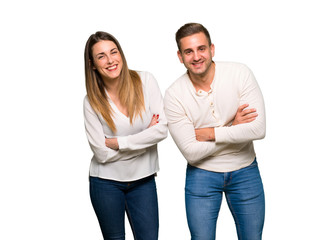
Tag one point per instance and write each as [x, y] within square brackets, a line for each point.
[190, 49]
[187, 49]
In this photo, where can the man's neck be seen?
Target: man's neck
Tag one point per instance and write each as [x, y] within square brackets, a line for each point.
[203, 82]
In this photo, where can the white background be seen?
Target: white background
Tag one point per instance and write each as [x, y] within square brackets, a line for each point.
[44, 152]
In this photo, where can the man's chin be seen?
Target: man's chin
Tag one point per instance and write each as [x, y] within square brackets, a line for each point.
[197, 71]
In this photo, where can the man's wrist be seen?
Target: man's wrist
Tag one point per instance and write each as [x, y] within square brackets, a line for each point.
[212, 135]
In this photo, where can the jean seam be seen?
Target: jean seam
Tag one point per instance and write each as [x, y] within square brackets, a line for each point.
[234, 215]
[130, 220]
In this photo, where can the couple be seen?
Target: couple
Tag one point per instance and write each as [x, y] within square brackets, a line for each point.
[214, 112]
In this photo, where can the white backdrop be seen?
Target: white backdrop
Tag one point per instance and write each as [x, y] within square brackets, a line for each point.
[44, 152]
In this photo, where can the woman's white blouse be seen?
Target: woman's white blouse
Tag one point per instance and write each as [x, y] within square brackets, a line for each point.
[137, 156]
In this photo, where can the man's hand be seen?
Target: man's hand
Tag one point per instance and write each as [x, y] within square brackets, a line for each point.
[242, 116]
[205, 134]
[112, 143]
[245, 115]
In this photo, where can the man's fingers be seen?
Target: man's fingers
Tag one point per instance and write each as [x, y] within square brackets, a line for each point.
[242, 107]
[250, 115]
[249, 120]
[248, 111]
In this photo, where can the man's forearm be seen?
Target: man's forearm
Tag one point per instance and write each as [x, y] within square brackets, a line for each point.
[205, 134]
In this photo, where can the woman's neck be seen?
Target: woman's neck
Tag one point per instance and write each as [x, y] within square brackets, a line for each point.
[112, 86]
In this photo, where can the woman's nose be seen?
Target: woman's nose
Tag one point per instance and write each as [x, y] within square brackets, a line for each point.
[110, 60]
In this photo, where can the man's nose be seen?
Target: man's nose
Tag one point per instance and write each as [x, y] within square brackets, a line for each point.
[196, 55]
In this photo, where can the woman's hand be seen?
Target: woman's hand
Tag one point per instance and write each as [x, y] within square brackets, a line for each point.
[154, 120]
[112, 143]
[244, 115]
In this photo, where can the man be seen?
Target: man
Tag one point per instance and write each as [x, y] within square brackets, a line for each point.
[210, 121]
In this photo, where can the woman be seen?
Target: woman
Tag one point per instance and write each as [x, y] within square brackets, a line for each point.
[124, 121]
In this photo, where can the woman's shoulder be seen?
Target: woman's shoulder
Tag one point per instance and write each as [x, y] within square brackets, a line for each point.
[147, 78]
[86, 100]
[145, 75]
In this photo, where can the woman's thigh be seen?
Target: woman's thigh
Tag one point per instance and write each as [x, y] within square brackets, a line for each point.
[142, 209]
[108, 201]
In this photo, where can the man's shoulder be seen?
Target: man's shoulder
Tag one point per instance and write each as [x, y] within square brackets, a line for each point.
[220, 65]
[179, 84]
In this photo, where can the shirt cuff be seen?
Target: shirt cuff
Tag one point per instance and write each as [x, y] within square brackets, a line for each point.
[219, 134]
[122, 143]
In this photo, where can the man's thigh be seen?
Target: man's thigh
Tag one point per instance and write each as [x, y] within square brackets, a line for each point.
[203, 197]
[246, 200]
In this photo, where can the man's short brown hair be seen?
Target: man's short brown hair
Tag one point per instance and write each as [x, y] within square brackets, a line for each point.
[189, 29]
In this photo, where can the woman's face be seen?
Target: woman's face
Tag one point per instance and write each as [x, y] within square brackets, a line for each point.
[107, 59]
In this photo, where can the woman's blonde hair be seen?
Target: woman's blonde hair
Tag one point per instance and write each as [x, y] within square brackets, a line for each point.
[130, 85]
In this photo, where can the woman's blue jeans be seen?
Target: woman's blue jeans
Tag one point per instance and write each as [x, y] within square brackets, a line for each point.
[111, 199]
[244, 193]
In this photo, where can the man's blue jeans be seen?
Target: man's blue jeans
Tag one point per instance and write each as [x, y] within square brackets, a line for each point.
[111, 199]
[244, 193]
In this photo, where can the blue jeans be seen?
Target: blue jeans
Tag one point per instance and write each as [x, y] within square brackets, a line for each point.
[244, 193]
[111, 199]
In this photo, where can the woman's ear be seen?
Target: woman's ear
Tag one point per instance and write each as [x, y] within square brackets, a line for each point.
[91, 64]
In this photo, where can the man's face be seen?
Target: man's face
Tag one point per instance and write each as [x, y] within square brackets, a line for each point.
[196, 54]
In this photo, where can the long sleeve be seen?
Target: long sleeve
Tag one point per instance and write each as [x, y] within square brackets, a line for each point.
[249, 93]
[96, 138]
[150, 136]
[183, 132]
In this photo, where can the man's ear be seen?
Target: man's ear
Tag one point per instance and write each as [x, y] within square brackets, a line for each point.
[212, 49]
[180, 57]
